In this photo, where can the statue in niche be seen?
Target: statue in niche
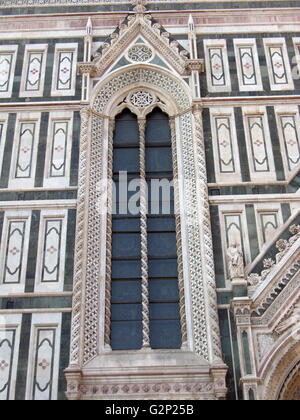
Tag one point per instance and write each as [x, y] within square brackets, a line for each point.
[235, 262]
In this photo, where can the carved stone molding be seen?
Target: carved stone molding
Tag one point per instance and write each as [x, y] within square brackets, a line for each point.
[242, 311]
[207, 280]
[291, 388]
[277, 293]
[280, 367]
[87, 68]
[79, 276]
[264, 344]
[146, 390]
[88, 326]
[283, 246]
[154, 33]
[195, 65]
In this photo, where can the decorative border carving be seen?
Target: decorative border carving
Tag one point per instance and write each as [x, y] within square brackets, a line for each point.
[154, 33]
[147, 390]
[291, 385]
[281, 366]
[87, 293]
[78, 284]
[207, 256]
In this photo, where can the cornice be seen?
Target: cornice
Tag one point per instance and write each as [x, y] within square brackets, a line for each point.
[204, 20]
[253, 199]
[239, 101]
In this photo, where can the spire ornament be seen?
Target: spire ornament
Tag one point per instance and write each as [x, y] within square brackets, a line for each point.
[139, 6]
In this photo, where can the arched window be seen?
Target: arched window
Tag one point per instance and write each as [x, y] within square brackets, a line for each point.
[144, 292]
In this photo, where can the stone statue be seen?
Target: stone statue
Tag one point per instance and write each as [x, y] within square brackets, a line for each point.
[293, 319]
[235, 262]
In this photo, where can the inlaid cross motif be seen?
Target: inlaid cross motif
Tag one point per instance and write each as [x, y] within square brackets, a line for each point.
[25, 149]
[224, 143]
[14, 251]
[3, 365]
[52, 250]
[217, 66]
[44, 364]
[258, 143]
[248, 65]
[59, 148]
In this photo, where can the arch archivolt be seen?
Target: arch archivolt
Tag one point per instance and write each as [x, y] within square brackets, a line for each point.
[146, 78]
[141, 88]
[281, 373]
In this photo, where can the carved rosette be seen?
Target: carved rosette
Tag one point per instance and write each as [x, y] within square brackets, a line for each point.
[154, 33]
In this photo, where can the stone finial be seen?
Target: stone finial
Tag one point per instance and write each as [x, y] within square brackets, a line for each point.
[139, 6]
[191, 24]
[89, 27]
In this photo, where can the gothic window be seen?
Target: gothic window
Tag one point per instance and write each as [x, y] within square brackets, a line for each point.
[132, 228]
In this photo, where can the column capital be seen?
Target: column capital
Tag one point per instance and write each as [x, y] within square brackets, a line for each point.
[85, 112]
[242, 311]
[195, 65]
[197, 107]
[87, 68]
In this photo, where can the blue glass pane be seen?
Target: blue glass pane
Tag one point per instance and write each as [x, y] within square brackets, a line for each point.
[165, 334]
[163, 268]
[164, 311]
[126, 134]
[126, 269]
[126, 245]
[126, 312]
[161, 208]
[158, 129]
[126, 335]
[126, 129]
[163, 290]
[126, 160]
[162, 244]
[126, 224]
[157, 224]
[126, 291]
[126, 199]
[158, 159]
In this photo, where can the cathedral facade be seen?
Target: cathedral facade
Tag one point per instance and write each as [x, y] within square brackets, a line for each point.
[149, 200]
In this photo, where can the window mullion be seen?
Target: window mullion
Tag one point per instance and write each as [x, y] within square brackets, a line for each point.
[144, 236]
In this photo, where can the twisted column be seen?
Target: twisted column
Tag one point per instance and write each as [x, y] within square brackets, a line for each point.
[107, 326]
[178, 236]
[144, 239]
[210, 285]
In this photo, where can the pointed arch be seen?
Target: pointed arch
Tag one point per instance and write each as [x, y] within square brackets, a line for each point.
[176, 92]
[155, 87]
[276, 374]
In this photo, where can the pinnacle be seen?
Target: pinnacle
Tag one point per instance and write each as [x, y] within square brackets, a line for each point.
[139, 6]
